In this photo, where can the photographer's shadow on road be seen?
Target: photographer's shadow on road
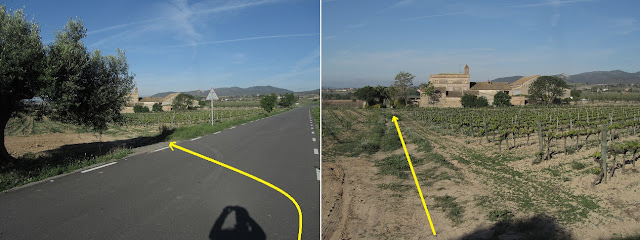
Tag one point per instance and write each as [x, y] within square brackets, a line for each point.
[245, 227]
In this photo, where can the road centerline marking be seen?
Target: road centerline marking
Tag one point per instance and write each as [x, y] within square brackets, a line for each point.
[314, 139]
[98, 167]
[315, 151]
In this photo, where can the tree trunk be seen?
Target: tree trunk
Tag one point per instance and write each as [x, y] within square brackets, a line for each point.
[5, 157]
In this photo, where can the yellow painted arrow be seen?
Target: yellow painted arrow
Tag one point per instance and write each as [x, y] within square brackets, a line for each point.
[173, 144]
[413, 172]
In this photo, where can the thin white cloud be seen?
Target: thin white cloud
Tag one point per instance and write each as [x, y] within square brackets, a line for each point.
[550, 3]
[205, 8]
[329, 37]
[433, 16]
[119, 26]
[179, 17]
[249, 39]
[305, 65]
[402, 3]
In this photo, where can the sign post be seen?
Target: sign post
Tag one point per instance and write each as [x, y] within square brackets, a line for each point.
[212, 96]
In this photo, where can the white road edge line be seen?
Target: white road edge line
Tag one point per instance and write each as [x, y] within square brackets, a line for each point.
[314, 139]
[216, 132]
[98, 167]
[160, 149]
[315, 151]
[196, 138]
[232, 127]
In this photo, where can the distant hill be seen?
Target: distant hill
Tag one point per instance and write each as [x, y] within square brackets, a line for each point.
[596, 77]
[605, 77]
[232, 91]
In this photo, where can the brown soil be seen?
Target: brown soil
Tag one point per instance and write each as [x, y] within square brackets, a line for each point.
[37, 144]
[354, 207]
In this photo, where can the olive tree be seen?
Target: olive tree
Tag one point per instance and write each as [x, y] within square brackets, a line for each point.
[84, 88]
[21, 67]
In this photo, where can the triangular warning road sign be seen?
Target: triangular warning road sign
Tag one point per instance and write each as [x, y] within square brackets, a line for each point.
[212, 95]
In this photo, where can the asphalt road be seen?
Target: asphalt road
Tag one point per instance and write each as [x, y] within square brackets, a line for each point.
[174, 195]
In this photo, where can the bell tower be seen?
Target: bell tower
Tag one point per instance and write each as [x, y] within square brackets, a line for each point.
[466, 69]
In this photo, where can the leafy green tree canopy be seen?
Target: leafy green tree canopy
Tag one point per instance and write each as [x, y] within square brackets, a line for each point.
[428, 90]
[21, 59]
[472, 101]
[157, 107]
[546, 89]
[373, 95]
[288, 99]
[182, 102]
[268, 102]
[403, 86]
[501, 99]
[140, 109]
[577, 93]
[85, 88]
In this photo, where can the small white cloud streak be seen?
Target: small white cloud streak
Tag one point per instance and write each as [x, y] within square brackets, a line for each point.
[402, 3]
[435, 15]
[249, 39]
[553, 3]
[179, 17]
[114, 27]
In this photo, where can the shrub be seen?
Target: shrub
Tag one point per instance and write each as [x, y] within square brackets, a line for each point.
[140, 109]
[157, 107]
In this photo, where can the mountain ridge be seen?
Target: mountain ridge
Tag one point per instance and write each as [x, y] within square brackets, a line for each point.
[593, 77]
[232, 91]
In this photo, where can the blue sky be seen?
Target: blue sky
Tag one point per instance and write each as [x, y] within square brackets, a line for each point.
[187, 45]
[368, 43]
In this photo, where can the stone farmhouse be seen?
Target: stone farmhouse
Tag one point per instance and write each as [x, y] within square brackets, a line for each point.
[166, 102]
[453, 85]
